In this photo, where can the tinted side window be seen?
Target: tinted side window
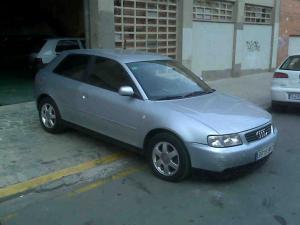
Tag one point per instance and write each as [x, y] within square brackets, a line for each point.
[73, 66]
[66, 45]
[108, 74]
[292, 63]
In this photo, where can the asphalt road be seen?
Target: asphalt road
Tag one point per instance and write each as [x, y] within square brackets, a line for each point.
[267, 195]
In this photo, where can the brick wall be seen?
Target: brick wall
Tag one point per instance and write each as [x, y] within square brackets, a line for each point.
[289, 26]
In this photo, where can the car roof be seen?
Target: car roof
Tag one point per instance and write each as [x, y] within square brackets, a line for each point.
[295, 54]
[65, 38]
[121, 55]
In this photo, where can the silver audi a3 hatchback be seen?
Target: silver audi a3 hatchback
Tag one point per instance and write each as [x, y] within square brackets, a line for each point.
[154, 104]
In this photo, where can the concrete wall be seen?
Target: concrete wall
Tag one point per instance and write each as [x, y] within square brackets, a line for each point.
[212, 47]
[99, 23]
[275, 45]
[253, 47]
[221, 50]
[185, 36]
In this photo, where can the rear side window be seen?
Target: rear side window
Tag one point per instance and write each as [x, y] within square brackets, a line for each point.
[108, 74]
[292, 63]
[73, 66]
[64, 45]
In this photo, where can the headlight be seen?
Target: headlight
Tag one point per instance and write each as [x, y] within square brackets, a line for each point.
[222, 141]
[273, 128]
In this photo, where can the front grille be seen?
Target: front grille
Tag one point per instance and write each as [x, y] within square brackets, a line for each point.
[259, 133]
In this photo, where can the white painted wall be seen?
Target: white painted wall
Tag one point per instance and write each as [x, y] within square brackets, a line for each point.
[254, 47]
[212, 46]
[294, 45]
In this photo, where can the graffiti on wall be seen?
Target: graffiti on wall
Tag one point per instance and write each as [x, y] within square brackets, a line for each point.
[253, 46]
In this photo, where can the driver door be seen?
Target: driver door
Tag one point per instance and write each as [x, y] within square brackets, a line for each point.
[106, 111]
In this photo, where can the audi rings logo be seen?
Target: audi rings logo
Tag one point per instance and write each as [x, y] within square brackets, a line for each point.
[261, 133]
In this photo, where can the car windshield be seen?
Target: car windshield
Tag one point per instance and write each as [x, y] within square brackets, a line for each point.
[167, 79]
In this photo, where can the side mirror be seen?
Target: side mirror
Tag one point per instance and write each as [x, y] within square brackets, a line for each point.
[126, 91]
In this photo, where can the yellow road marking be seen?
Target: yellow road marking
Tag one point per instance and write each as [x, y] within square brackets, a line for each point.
[106, 180]
[35, 182]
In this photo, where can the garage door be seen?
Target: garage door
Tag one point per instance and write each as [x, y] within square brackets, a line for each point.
[294, 45]
[146, 25]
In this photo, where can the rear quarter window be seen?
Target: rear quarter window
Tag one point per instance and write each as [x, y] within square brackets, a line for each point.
[292, 63]
[73, 66]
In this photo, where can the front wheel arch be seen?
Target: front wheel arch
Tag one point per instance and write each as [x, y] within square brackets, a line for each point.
[157, 131]
[184, 156]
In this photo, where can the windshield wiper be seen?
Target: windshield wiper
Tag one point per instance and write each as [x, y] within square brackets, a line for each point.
[198, 93]
[192, 94]
[195, 93]
[170, 97]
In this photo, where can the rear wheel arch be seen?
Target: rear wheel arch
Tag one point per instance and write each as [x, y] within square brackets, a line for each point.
[41, 97]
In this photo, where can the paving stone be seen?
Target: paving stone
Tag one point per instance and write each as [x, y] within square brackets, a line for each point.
[27, 151]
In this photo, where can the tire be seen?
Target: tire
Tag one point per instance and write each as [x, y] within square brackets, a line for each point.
[164, 152]
[48, 111]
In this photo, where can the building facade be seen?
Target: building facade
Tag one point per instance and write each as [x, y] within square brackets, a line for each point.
[214, 38]
[289, 37]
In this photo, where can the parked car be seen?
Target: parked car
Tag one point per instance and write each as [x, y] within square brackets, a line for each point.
[155, 104]
[45, 50]
[286, 83]
[16, 49]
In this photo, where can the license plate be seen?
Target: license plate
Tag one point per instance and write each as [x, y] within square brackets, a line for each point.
[294, 96]
[264, 152]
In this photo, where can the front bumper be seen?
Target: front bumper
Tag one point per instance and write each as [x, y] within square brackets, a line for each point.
[219, 159]
[281, 94]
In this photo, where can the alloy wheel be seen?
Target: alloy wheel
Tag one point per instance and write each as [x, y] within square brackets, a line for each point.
[165, 158]
[48, 115]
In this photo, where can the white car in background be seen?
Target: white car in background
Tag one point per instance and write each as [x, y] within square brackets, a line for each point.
[47, 49]
[286, 83]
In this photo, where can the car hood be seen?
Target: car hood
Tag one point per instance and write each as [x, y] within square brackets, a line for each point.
[223, 113]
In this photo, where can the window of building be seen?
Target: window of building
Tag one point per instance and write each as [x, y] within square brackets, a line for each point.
[146, 25]
[258, 14]
[73, 66]
[216, 11]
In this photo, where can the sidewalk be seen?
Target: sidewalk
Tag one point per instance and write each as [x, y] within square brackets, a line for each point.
[255, 88]
[30, 157]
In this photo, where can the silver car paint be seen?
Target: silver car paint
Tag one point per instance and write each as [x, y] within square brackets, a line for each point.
[130, 119]
[219, 159]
